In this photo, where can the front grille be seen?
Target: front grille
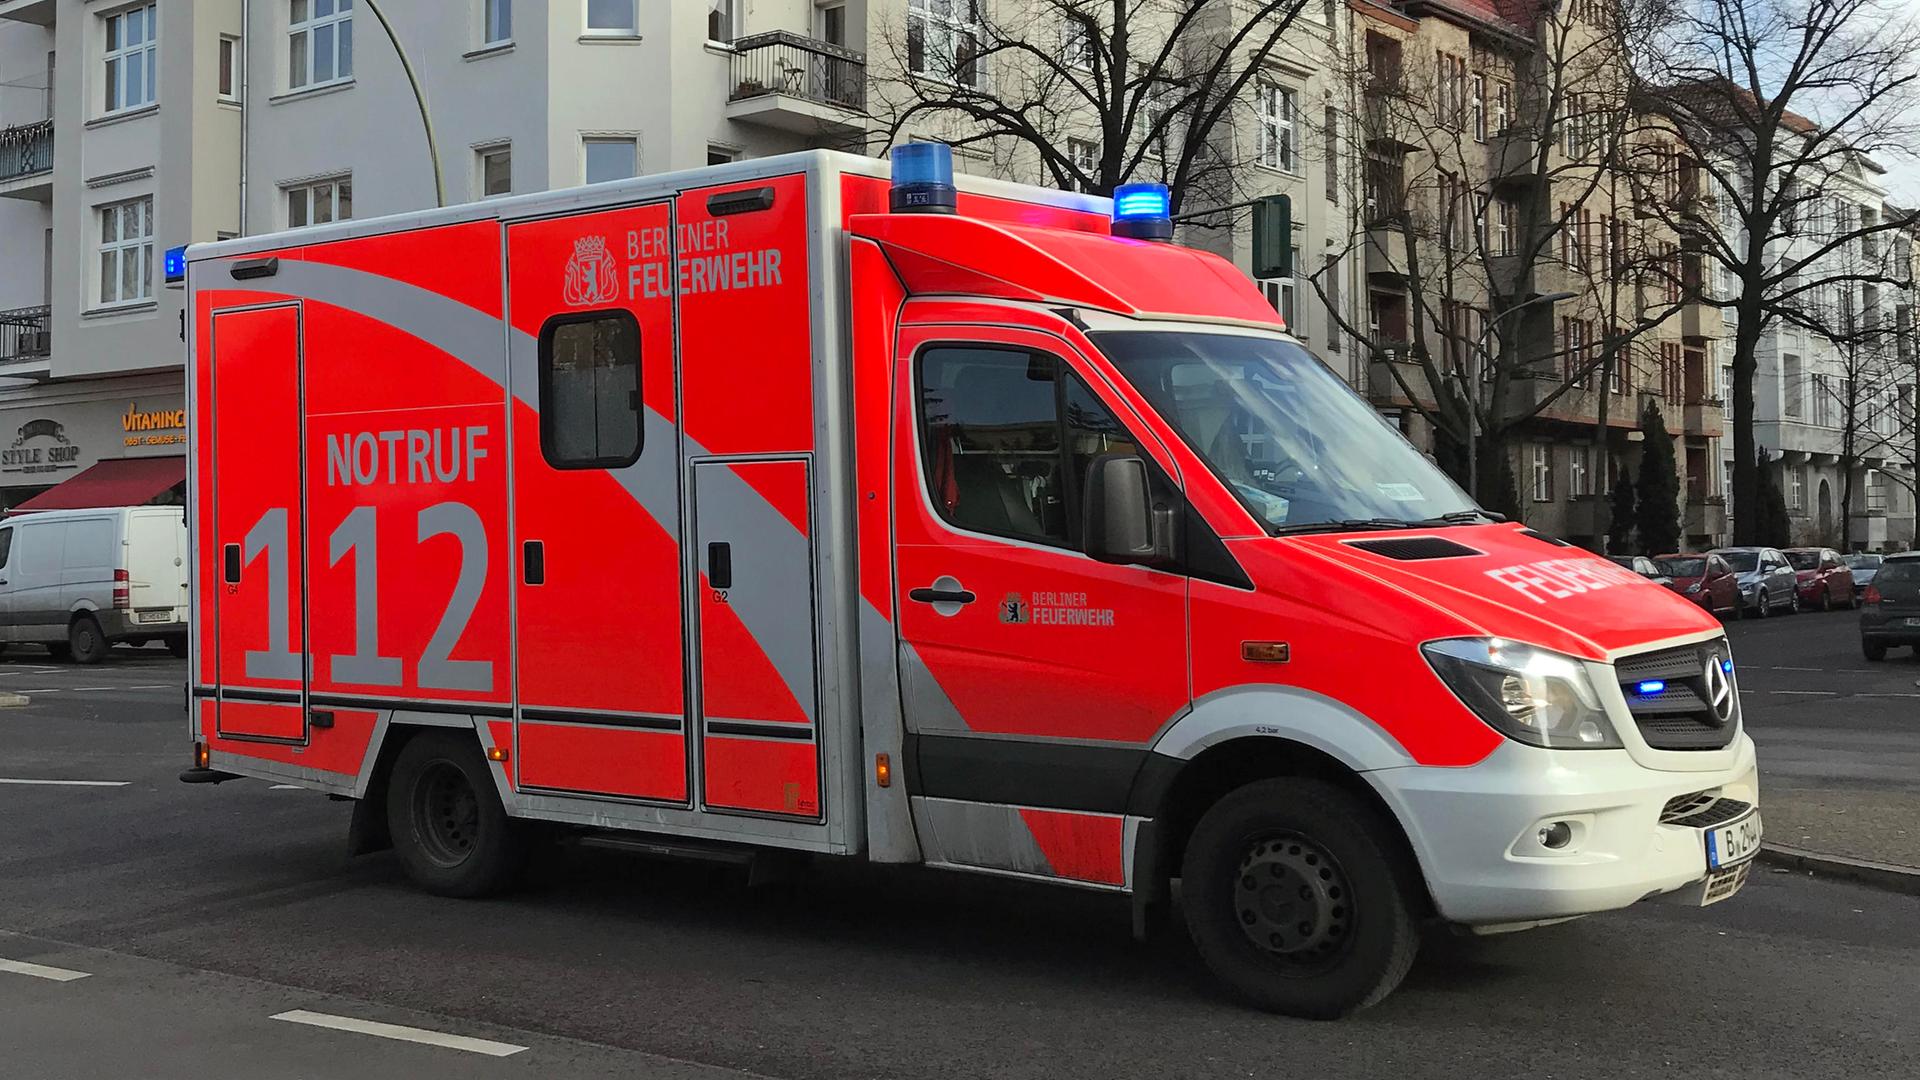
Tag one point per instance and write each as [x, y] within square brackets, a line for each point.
[1702, 810]
[1680, 715]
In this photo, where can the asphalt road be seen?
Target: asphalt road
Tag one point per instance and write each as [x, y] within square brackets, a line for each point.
[198, 915]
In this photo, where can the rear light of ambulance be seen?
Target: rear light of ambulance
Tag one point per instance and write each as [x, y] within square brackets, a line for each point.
[201, 757]
[122, 589]
[1871, 596]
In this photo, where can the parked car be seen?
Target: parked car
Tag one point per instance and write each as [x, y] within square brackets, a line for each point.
[1890, 606]
[77, 581]
[1823, 580]
[1643, 566]
[1862, 565]
[1765, 578]
[1706, 580]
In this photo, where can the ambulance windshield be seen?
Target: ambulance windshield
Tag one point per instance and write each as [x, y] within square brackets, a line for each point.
[1300, 449]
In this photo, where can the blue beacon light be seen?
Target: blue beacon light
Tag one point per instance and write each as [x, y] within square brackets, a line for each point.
[923, 179]
[1142, 212]
[173, 265]
[1650, 687]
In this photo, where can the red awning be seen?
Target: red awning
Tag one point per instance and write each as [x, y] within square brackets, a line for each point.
[127, 482]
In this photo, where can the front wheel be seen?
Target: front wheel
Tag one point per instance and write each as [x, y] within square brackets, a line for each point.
[1826, 599]
[453, 836]
[1295, 898]
[85, 641]
[1762, 603]
[1874, 650]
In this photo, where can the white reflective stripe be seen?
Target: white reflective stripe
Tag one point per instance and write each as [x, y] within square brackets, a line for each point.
[38, 971]
[64, 783]
[400, 1033]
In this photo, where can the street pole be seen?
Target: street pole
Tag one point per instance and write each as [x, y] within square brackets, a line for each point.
[1473, 384]
[419, 98]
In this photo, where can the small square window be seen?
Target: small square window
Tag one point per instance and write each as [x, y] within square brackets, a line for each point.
[612, 17]
[720, 155]
[497, 18]
[496, 170]
[590, 390]
[611, 159]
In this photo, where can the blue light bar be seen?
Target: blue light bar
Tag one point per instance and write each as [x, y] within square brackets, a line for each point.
[173, 265]
[1726, 665]
[1650, 687]
[923, 179]
[1143, 212]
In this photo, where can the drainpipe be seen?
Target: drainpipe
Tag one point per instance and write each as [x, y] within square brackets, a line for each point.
[246, 101]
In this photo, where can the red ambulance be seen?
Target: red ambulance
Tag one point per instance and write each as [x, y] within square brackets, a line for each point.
[809, 505]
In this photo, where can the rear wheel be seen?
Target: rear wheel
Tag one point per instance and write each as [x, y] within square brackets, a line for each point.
[177, 645]
[85, 641]
[1873, 650]
[1762, 603]
[1295, 898]
[448, 826]
[1826, 599]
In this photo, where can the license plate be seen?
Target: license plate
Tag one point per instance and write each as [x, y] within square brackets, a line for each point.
[1733, 843]
[155, 616]
[1910, 622]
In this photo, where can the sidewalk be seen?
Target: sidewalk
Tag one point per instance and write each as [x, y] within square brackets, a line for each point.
[1853, 832]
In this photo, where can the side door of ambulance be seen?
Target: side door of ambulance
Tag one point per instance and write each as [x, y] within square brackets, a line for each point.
[599, 633]
[1032, 675]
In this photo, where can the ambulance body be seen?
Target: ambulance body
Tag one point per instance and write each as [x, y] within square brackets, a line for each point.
[731, 510]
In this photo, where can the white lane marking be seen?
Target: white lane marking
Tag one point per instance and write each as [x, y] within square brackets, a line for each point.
[1806, 693]
[1886, 695]
[64, 783]
[38, 971]
[156, 686]
[286, 787]
[403, 1034]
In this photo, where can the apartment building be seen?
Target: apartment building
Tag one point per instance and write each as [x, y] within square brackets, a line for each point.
[1510, 244]
[116, 143]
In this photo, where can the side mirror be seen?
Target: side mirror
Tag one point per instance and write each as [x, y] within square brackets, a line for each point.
[1120, 522]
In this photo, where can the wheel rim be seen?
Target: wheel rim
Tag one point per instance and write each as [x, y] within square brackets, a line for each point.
[1293, 901]
[446, 814]
[85, 636]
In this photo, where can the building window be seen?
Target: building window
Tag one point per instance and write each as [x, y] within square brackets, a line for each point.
[130, 58]
[1793, 392]
[1077, 33]
[319, 42]
[614, 18]
[1797, 487]
[1283, 294]
[1084, 156]
[1502, 107]
[320, 202]
[1332, 277]
[611, 159]
[496, 170]
[943, 40]
[126, 251]
[590, 390]
[720, 155]
[720, 21]
[1542, 472]
[1279, 127]
[1479, 106]
[497, 21]
[1579, 471]
[230, 61]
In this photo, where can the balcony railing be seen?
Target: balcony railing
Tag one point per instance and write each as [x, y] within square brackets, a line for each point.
[782, 62]
[24, 333]
[26, 149]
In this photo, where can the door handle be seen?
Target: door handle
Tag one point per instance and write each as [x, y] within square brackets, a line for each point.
[534, 557]
[942, 596]
[231, 556]
[720, 565]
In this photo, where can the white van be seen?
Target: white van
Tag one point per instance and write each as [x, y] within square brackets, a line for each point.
[77, 581]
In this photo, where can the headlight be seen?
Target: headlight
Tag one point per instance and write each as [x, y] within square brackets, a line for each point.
[1529, 695]
[1693, 588]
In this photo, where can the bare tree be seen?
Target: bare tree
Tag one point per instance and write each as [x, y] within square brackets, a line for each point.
[1099, 92]
[1486, 187]
[1776, 100]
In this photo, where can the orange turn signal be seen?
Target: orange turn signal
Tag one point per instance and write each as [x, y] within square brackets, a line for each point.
[1265, 652]
[883, 770]
[496, 753]
[201, 756]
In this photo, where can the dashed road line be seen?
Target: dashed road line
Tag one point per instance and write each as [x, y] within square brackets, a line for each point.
[1804, 693]
[41, 971]
[400, 1033]
[26, 782]
[286, 787]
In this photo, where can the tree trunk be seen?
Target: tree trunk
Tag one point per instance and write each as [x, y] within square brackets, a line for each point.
[1746, 472]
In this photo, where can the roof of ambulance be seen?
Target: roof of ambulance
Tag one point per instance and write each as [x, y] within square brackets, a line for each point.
[622, 192]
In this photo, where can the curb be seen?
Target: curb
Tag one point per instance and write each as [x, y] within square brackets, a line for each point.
[13, 701]
[1901, 879]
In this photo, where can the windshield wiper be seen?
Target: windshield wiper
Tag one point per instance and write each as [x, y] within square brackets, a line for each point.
[1348, 525]
[1471, 517]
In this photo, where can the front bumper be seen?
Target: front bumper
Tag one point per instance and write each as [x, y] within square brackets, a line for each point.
[1474, 830]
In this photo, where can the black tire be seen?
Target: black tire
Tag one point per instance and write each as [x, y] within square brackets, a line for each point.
[177, 645]
[1873, 650]
[1826, 599]
[59, 651]
[1328, 864]
[1762, 603]
[85, 642]
[1793, 602]
[449, 829]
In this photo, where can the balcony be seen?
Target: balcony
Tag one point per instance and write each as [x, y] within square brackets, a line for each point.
[1700, 322]
[24, 335]
[1703, 416]
[1386, 252]
[1529, 388]
[1510, 156]
[26, 161]
[1706, 514]
[796, 84]
[38, 12]
[1391, 365]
